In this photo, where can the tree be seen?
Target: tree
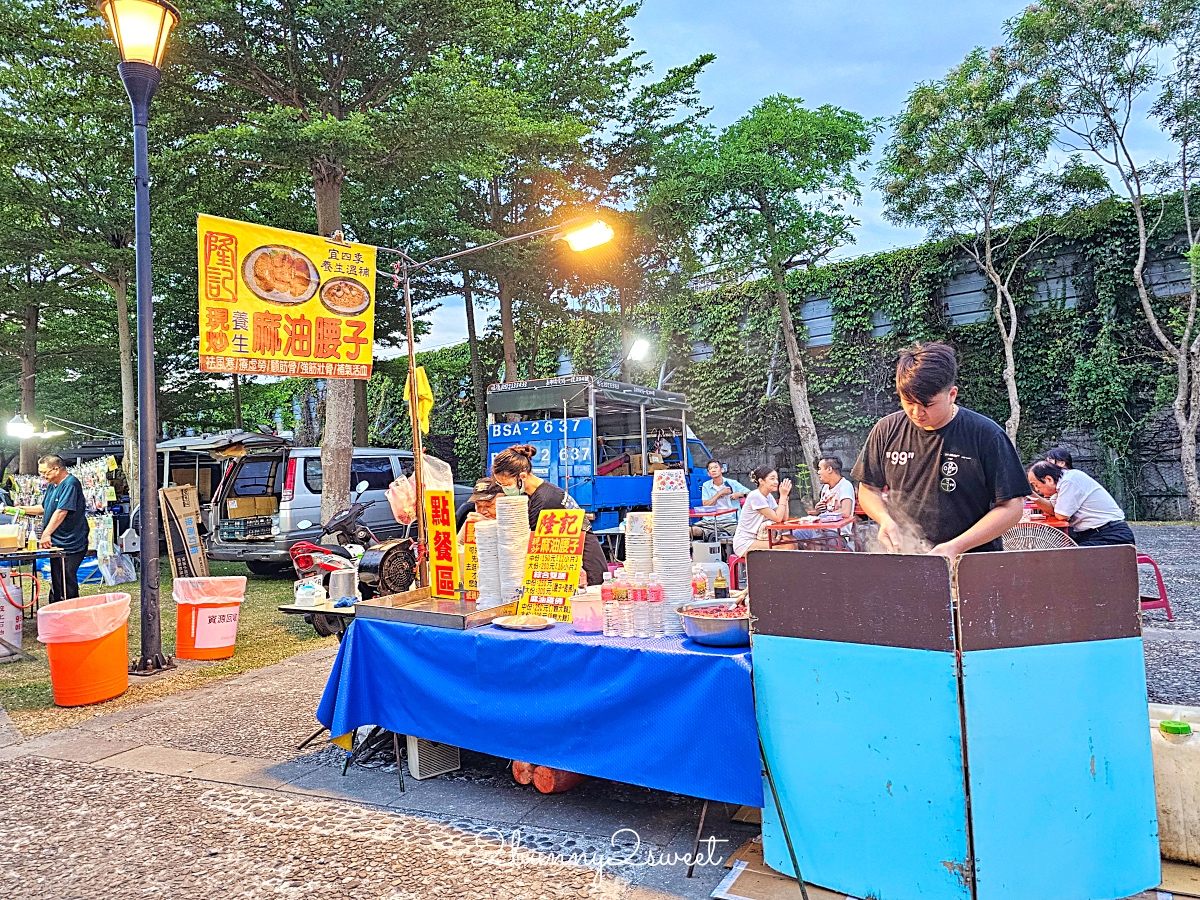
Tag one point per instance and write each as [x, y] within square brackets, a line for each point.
[331, 91]
[967, 160]
[1098, 61]
[64, 130]
[768, 195]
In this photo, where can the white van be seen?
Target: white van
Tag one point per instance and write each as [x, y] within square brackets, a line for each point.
[264, 495]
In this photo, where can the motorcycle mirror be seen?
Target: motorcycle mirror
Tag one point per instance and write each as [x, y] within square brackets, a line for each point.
[304, 523]
[360, 487]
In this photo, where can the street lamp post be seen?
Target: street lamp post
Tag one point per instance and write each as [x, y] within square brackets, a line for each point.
[579, 237]
[140, 29]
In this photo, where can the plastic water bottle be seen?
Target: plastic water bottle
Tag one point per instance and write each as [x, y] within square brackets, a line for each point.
[611, 613]
[641, 612]
[654, 607]
[621, 594]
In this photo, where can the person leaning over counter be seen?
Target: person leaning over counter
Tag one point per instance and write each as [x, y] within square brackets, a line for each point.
[64, 525]
[1094, 516]
[951, 472]
[482, 503]
[513, 471]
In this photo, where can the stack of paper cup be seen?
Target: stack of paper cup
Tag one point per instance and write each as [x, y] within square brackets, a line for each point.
[672, 544]
[512, 524]
[487, 537]
[639, 543]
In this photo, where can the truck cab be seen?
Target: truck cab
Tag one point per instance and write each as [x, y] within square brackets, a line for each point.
[598, 439]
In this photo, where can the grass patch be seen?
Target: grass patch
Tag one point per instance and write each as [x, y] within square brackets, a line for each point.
[265, 636]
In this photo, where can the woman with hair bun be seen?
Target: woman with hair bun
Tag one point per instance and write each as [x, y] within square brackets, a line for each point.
[761, 508]
[512, 469]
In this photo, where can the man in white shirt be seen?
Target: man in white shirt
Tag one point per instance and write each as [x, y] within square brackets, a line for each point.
[719, 493]
[837, 497]
[1094, 515]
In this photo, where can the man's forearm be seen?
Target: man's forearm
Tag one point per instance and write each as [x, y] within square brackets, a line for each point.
[55, 521]
[995, 522]
[871, 500]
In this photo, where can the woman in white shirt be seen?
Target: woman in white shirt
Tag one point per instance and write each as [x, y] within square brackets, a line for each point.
[760, 509]
[1094, 515]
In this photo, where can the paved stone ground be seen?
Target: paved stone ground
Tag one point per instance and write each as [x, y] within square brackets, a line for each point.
[204, 793]
[1172, 648]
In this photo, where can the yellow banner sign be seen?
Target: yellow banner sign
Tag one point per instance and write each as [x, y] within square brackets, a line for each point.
[470, 563]
[275, 302]
[553, 564]
[443, 552]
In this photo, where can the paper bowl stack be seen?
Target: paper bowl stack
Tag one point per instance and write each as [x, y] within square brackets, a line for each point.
[487, 535]
[512, 528]
[672, 544]
[639, 543]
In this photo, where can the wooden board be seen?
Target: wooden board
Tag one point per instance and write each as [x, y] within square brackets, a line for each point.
[753, 879]
[1180, 879]
[856, 598]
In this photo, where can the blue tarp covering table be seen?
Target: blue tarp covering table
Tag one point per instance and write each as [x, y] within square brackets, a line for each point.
[663, 713]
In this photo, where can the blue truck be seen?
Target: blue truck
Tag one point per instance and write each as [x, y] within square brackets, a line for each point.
[601, 440]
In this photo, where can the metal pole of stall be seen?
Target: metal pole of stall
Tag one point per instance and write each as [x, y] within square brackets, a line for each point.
[415, 419]
[645, 446]
[141, 81]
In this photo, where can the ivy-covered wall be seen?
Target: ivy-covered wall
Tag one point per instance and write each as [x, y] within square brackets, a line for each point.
[1090, 374]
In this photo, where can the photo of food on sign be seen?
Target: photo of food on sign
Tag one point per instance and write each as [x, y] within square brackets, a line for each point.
[280, 274]
[284, 303]
[345, 296]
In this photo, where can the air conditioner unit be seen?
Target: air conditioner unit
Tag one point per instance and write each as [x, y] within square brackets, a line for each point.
[427, 758]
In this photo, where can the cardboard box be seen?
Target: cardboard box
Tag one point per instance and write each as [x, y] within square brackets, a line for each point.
[239, 507]
[181, 528]
[266, 506]
[188, 476]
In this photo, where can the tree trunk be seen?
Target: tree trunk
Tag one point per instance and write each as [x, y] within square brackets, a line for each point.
[337, 439]
[1008, 337]
[810, 445]
[361, 434]
[478, 392]
[237, 402]
[129, 411]
[507, 328]
[29, 446]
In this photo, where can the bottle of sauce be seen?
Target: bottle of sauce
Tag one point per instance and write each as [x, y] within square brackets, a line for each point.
[699, 585]
[721, 587]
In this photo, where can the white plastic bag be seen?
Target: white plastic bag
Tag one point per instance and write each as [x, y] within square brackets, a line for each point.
[82, 618]
[117, 569]
[402, 493]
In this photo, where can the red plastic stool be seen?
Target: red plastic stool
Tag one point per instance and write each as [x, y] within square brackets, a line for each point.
[1161, 601]
[735, 583]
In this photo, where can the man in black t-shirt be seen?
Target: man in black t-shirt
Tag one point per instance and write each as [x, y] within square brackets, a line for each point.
[948, 471]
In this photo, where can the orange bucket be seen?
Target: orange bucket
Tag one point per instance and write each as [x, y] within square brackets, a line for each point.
[87, 642]
[83, 672]
[206, 616]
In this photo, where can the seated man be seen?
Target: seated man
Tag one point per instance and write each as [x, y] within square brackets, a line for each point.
[719, 493]
[837, 500]
[1094, 516]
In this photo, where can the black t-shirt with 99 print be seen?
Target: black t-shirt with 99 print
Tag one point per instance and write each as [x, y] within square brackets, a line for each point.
[945, 480]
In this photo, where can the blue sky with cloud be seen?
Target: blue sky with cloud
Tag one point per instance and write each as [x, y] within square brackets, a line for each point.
[864, 55]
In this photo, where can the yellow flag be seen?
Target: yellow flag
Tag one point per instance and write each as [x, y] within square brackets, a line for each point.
[424, 397]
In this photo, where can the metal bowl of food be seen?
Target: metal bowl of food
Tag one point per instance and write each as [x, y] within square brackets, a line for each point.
[716, 624]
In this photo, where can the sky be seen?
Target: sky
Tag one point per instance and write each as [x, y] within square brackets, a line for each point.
[864, 56]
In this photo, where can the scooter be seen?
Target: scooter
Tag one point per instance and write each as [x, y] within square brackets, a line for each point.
[386, 567]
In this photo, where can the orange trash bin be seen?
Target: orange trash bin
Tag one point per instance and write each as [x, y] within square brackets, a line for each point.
[206, 615]
[87, 642]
